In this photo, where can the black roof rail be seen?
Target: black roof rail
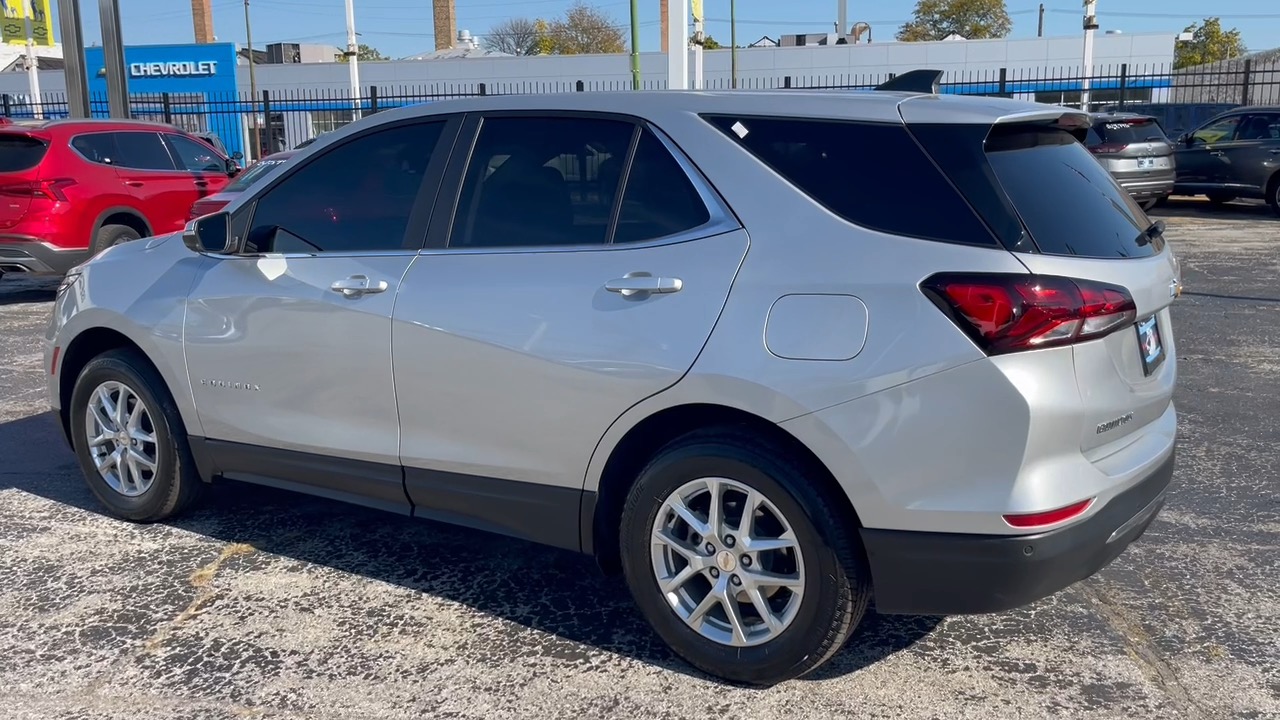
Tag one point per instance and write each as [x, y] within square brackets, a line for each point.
[917, 81]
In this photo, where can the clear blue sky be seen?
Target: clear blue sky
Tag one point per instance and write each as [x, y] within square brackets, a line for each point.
[403, 27]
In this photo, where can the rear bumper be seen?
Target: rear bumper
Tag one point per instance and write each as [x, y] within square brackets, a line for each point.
[1148, 187]
[946, 573]
[19, 253]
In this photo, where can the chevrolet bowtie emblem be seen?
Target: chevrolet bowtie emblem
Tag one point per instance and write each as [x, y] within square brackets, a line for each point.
[1175, 289]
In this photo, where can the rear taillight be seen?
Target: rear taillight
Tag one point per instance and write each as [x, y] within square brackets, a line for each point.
[1051, 517]
[1108, 148]
[43, 189]
[1006, 313]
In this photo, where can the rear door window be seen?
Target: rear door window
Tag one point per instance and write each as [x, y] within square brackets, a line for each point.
[1067, 200]
[195, 156]
[873, 175]
[99, 148]
[143, 151]
[20, 152]
[659, 199]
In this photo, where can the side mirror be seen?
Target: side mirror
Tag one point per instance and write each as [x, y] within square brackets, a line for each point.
[1187, 139]
[210, 234]
[237, 156]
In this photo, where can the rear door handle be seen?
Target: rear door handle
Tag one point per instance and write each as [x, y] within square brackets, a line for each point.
[202, 183]
[133, 183]
[358, 286]
[640, 283]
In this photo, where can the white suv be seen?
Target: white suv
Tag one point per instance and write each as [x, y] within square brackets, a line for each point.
[771, 355]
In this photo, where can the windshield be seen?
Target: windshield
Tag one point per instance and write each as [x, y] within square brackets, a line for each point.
[255, 172]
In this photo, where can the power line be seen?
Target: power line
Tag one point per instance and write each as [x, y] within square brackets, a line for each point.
[1175, 16]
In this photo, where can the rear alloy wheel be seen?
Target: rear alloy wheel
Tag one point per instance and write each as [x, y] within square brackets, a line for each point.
[739, 560]
[109, 235]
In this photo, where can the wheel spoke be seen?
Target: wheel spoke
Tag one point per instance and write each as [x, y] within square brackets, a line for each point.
[734, 612]
[105, 462]
[690, 554]
[104, 411]
[698, 614]
[122, 469]
[101, 440]
[755, 544]
[760, 578]
[121, 413]
[753, 501]
[670, 584]
[140, 460]
[679, 508]
[762, 607]
[135, 416]
[135, 472]
[715, 514]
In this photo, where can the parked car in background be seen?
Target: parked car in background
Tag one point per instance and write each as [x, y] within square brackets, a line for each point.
[1135, 150]
[1235, 155]
[72, 188]
[243, 181]
[537, 314]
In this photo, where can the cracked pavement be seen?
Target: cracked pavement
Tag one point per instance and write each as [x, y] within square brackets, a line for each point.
[264, 604]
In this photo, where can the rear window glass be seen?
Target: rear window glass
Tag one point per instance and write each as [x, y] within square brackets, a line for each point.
[20, 152]
[1129, 131]
[873, 175]
[1067, 200]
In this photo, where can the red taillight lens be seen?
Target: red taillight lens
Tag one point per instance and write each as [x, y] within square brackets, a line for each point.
[1108, 148]
[43, 189]
[1051, 517]
[1008, 313]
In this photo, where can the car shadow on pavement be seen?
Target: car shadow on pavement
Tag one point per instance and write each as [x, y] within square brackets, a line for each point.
[19, 291]
[553, 591]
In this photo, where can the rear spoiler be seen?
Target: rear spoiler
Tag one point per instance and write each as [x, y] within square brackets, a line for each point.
[916, 81]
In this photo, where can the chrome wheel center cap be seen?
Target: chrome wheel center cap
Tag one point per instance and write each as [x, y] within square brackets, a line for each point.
[726, 562]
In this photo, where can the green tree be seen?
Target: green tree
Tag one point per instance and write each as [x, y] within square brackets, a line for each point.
[1209, 43]
[586, 29]
[365, 53]
[708, 42]
[971, 19]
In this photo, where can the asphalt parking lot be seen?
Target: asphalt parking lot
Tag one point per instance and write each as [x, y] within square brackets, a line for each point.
[263, 604]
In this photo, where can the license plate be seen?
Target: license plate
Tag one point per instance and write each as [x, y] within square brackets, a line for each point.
[1146, 163]
[1150, 346]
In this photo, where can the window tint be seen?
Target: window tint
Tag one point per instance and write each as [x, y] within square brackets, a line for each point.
[254, 172]
[143, 151]
[195, 156]
[659, 199]
[1069, 203]
[355, 197]
[1260, 127]
[20, 152]
[540, 182]
[872, 175]
[97, 148]
[1217, 131]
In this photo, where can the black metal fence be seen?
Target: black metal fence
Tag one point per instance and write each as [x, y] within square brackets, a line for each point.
[276, 119]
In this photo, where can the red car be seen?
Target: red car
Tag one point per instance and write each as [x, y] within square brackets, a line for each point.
[246, 179]
[71, 188]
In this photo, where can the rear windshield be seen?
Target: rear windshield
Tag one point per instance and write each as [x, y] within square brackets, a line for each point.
[1128, 131]
[20, 152]
[1067, 200]
[254, 173]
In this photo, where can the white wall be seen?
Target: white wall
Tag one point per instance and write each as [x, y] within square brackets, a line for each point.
[814, 65]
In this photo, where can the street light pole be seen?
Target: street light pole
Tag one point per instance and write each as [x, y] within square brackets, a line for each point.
[1090, 24]
[353, 60]
[253, 85]
[635, 44]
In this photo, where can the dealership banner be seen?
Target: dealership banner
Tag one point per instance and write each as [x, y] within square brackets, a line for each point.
[27, 19]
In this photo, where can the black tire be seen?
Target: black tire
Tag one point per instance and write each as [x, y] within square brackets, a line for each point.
[1273, 193]
[1220, 198]
[836, 589]
[1147, 205]
[176, 484]
[109, 235]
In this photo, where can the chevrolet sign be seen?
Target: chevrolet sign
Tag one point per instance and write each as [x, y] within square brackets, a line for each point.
[203, 68]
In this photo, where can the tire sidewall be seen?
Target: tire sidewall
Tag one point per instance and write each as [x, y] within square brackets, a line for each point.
[150, 503]
[112, 235]
[821, 599]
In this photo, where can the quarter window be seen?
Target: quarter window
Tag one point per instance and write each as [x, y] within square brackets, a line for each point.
[659, 199]
[356, 197]
[143, 151]
[195, 156]
[537, 182]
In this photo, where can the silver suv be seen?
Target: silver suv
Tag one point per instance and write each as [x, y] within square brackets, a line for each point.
[715, 340]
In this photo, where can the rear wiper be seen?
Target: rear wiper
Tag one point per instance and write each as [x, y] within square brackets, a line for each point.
[1151, 233]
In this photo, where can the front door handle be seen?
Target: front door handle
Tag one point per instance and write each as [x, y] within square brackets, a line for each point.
[133, 183]
[358, 286]
[1275, 152]
[641, 283]
[1217, 153]
[202, 183]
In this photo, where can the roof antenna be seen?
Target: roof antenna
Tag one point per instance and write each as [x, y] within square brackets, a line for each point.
[916, 81]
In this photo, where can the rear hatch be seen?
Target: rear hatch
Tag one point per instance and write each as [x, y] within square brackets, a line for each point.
[1131, 146]
[1063, 215]
[20, 156]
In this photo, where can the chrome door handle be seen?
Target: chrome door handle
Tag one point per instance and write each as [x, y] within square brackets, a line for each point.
[357, 286]
[643, 284]
[1217, 153]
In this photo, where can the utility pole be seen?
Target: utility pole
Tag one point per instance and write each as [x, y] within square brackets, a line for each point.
[733, 43]
[1040, 27]
[73, 58]
[678, 46]
[842, 20]
[253, 85]
[113, 58]
[698, 40]
[635, 44]
[1090, 25]
[353, 60]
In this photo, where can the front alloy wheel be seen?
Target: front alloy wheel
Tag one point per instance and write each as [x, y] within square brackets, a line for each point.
[121, 438]
[728, 562]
